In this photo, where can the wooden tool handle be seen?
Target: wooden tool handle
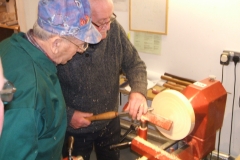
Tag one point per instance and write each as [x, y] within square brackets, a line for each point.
[103, 116]
[176, 85]
[172, 87]
[176, 80]
[180, 78]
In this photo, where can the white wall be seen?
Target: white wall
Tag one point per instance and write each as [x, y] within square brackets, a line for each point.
[198, 32]
[27, 13]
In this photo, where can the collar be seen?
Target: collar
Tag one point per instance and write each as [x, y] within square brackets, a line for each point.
[29, 36]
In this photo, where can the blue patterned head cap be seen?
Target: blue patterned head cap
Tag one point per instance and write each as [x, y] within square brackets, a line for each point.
[68, 18]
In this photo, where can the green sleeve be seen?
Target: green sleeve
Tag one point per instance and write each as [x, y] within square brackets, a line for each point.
[19, 138]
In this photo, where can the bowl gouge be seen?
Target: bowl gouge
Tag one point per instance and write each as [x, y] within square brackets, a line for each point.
[103, 116]
[107, 115]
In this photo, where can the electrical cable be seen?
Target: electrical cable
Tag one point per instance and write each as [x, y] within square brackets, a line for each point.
[222, 74]
[219, 135]
[239, 101]
[219, 138]
[235, 60]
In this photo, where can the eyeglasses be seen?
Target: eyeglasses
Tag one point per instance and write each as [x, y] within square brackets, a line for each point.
[101, 26]
[83, 46]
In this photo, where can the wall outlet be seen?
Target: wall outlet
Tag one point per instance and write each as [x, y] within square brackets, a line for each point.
[236, 56]
[227, 56]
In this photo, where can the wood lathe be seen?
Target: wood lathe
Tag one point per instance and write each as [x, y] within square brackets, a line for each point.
[195, 114]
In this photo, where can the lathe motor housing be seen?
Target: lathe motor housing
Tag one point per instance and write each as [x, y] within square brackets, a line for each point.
[208, 98]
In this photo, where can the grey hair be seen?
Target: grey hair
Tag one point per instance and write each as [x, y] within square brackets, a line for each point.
[41, 33]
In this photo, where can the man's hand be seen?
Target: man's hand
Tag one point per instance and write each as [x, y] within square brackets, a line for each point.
[78, 120]
[137, 105]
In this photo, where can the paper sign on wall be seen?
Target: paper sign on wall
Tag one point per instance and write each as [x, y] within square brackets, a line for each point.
[147, 42]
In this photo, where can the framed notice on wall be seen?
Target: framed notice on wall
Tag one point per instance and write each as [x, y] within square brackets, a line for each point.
[148, 16]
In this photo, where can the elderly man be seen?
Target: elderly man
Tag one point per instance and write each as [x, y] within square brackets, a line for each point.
[35, 121]
[90, 84]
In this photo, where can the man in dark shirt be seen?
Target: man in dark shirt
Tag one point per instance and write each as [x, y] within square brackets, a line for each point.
[90, 84]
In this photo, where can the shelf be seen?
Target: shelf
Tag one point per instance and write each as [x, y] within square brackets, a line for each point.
[14, 27]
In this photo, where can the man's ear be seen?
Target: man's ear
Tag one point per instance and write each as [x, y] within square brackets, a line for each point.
[55, 43]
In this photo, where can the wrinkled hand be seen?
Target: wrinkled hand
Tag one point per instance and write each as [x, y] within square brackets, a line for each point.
[78, 120]
[137, 105]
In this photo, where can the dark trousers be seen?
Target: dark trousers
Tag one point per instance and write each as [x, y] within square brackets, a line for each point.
[101, 140]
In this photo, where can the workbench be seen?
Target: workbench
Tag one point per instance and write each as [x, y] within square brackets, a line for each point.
[150, 95]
